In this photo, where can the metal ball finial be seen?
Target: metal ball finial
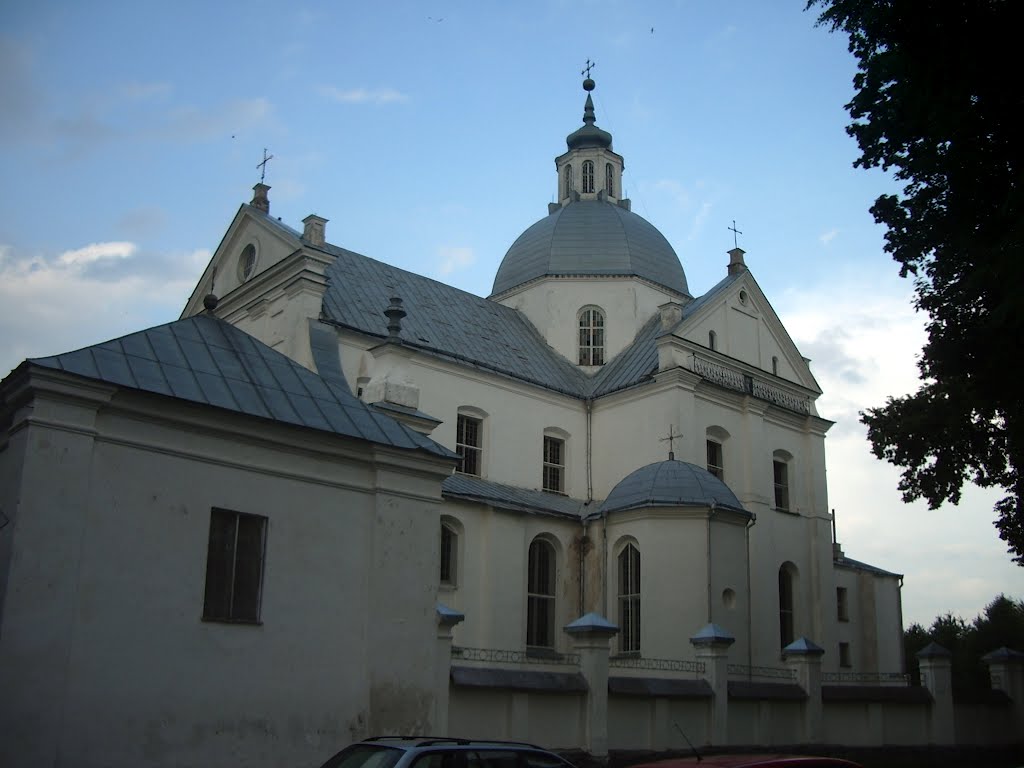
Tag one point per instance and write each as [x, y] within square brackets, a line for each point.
[588, 84]
[210, 301]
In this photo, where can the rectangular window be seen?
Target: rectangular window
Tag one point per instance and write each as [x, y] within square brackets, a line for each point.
[449, 555]
[554, 464]
[842, 608]
[844, 655]
[234, 566]
[781, 470]
[468, 444]
[715, 466]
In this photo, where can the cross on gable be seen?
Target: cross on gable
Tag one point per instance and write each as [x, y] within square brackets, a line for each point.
[263, 165]
[735, 232]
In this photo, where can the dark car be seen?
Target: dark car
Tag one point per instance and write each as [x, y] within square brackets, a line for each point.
[440, 752]
[752, 761]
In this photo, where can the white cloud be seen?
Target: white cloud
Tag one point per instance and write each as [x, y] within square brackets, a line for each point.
[864, 338]
[698, 221]
[57, 303]
[828, 237]
[454, 258]
[362, 95]
[97, 252]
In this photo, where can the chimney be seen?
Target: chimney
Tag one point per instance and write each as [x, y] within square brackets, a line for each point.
[259, 197]
[313, 229]
[671, 313]
[736, 263]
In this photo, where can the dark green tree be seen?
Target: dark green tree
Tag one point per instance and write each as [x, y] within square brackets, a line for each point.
[937, 101]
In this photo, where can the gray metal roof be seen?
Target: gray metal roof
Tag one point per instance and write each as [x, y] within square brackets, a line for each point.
[473, 488]
[857, 565]
[444, 320]
[205, 360]
[591, 237]
[670, 484]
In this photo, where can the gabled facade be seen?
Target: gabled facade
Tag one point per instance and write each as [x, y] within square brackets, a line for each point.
[558, 387]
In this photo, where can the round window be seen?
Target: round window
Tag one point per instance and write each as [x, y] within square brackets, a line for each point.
[247, 262]
[743, 297]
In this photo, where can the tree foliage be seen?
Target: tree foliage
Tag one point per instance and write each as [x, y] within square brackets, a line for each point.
[1000, 625]
[937, 102]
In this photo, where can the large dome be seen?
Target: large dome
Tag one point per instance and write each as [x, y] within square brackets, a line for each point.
[670, 484]
[591, 237]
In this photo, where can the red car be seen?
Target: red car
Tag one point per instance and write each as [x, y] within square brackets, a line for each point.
[752, 761]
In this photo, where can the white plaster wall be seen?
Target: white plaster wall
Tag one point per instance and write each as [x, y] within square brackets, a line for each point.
[553, 306]
[103, 654]
[492, 587]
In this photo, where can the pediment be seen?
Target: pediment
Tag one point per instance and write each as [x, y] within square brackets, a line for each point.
[736, 321]
[252, 244]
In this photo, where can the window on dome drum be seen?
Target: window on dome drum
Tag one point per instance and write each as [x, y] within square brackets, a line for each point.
[785, 606]
[629, 600]
[588, 176]
[844, 655]
[234, 567]
[554, 464]
[781, 476]
[468, 444]
[842, 606]
[449, 555]
[568, 180]
[715, 464]
[540, 596]
[609, 179]
[591, 337]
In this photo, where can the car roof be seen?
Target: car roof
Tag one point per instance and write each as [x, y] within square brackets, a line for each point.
[448, 741]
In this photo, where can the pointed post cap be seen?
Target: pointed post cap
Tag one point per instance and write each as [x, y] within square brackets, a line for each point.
[448, 617]
[713, 634]
[1003, 655]
[592, 624]
[803, 647]
[934, 651]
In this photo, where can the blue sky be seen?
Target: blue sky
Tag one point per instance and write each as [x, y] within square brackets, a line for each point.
[426, 133]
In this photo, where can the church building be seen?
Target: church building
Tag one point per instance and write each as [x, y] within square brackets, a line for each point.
[338, 498]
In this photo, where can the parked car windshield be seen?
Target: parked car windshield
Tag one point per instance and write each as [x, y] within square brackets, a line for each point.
[365, 756]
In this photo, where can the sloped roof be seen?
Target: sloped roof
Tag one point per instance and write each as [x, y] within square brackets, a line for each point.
[857, 565]
[472, 488]
[204, 360]
[445, 320]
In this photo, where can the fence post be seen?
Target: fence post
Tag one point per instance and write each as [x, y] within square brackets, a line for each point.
[936, 676]
[591, 634]
[1006, 671]
[711, 645]
[446, 621]
[804, 658]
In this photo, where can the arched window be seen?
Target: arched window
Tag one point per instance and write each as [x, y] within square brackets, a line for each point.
[629, 599]
[775, 366]
[609, 179]
[712, 340]
[588, 175]
[715, 438]
[787, 575]
[449, 554]
[591, 336]
[568, 181]
[540, 596]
